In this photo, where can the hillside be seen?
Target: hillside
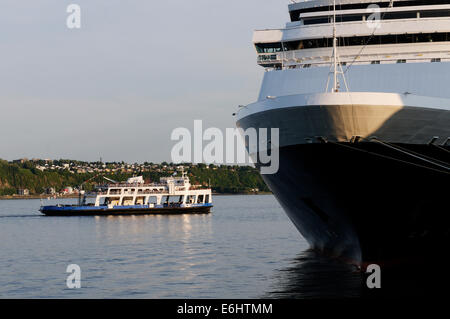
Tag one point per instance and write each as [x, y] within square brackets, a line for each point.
[38, 175]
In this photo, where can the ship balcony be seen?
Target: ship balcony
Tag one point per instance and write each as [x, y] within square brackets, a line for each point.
[371, 54]
[351, 29]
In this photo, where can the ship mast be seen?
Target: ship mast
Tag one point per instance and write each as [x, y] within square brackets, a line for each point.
[336, 67]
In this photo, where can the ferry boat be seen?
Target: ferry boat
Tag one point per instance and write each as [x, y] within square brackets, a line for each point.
[172, 195]
[363, 111]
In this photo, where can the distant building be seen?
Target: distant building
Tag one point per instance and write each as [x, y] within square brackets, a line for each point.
[68, 190]
[21, 161]
[23, 192]
[50, 191]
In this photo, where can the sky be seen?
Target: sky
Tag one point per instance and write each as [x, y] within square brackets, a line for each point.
[136, 70]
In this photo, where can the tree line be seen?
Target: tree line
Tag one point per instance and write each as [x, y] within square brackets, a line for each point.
[222, 179]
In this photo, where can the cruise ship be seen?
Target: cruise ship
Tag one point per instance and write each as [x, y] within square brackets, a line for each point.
[360, 93]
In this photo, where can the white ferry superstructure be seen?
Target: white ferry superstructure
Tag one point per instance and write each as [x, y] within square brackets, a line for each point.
[172, 195]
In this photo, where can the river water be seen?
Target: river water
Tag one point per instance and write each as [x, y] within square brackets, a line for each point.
[247, 248]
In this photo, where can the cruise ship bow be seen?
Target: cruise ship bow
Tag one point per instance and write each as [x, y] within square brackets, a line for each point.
[359, 92]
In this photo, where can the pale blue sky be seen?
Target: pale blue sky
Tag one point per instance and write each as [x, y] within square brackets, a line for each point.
[135, 70]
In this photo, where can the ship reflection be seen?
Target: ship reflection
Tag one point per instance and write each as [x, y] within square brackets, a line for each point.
[313, 276]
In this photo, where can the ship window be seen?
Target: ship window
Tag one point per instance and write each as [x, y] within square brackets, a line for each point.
[401, 61]
[207, 199]
[268, 47]
[200, 199]
[436, 60]
[316, 21]
[434, 13]
[153, 200]
[363, 40]
[295, 14]
[375, 62]
[264, 58]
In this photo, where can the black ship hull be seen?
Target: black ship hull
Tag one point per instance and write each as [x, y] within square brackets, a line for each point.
[367, 202]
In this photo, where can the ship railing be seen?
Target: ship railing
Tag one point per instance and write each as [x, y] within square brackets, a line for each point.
[134, 193]
[138, 186]
[148, 192]
[292, 59]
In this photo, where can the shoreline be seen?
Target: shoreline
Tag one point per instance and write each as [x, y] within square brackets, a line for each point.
[17, 197]
[22, 197]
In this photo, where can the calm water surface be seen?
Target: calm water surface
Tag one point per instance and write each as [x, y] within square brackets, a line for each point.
[247, 248]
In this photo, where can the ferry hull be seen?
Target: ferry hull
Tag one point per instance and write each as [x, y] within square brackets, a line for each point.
[58, 211]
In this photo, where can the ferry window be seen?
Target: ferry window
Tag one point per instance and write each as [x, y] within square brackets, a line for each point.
[140, 200]
[174, 199]
[127, 201]
[436, 60]
[114, 191]
[153, 200]
[169, 199]
[112, 200]
[401, 61]
[207, 199]
[200, 199]
[375, 62]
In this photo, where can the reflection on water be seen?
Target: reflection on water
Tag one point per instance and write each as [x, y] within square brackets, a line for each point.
[314, 276]
[311, 275]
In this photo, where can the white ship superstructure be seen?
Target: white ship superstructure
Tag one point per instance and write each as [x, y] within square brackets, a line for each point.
[378, 140]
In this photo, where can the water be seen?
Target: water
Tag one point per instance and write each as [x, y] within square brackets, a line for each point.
[246, 249]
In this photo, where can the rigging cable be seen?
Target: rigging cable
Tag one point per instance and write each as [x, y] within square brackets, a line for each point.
[414, 154]
[391, 5]
[388, 157]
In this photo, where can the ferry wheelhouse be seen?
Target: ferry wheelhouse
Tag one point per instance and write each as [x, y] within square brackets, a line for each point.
[172, 195]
